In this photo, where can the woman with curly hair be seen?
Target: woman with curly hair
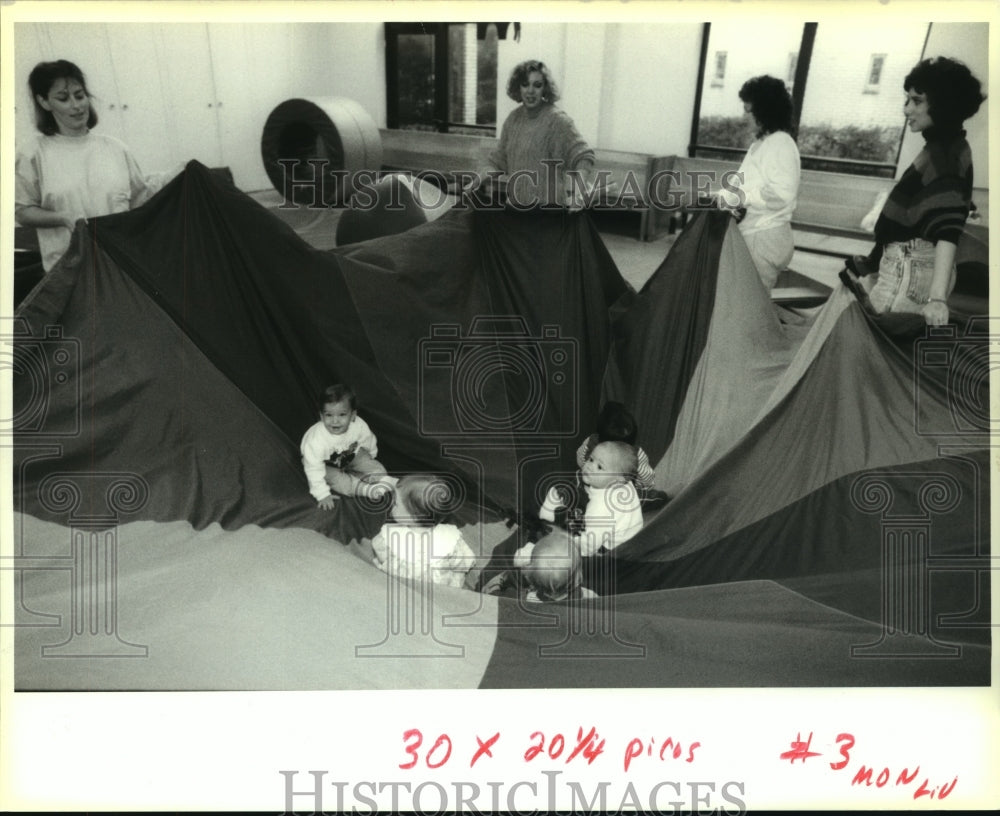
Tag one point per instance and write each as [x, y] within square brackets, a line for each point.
[918, 230]
[771, 171]
[539, 143]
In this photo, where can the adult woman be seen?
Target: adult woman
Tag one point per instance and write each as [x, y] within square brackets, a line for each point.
[771, 171]
[70, 172]
[539, 143]
[921, 222]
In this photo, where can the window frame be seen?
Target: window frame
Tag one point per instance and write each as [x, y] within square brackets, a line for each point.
[439, 31]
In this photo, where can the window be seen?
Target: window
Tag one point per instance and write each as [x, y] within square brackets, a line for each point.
[723, 130]
[851, 114]
[875, 73]
[842, 125]
[442, 77]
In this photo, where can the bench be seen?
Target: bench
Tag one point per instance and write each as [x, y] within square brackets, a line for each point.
[418, 151]
[448, 154]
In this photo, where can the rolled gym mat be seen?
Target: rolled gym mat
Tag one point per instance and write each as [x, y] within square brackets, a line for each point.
[307, 143]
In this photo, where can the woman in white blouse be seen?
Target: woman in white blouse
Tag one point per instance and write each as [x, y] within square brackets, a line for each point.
[70, 172]
[771, 171]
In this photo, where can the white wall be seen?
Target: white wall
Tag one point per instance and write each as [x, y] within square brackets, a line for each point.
[351, 63]
[648, 98]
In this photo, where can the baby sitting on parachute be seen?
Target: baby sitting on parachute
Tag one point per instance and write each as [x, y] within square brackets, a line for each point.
[607, 511]
[594, 519]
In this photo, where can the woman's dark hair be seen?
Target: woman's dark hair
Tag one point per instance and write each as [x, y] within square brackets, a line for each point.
[770, 103]
[953, 93]
[337, 393]
[40, 81]
[616, 424]
[519, 77]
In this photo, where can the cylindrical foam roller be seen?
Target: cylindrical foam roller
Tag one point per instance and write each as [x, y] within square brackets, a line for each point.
[307, 143]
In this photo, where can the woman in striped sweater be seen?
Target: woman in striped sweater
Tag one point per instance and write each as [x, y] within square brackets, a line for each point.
[918, 230]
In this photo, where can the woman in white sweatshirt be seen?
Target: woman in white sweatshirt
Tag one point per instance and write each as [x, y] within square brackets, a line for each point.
[771, 171]
[71, 172]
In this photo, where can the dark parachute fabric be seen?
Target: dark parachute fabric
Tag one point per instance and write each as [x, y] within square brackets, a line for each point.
[204, 290]
[832, 459]
[657, 344]
[829, 484]
[874, 433]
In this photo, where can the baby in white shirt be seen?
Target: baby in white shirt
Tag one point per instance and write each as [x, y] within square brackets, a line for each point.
[338, 452]
[613, 513]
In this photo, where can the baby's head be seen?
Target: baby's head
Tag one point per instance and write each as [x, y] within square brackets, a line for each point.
[609, 463]
[337, 408]
[422, 500]
[555, 570]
